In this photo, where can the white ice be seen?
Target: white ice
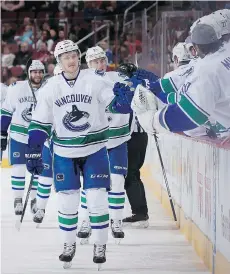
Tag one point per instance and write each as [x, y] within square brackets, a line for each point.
[159, 249]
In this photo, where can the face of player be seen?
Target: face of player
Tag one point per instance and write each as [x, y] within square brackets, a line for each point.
[36, 77]
[70, 62]
[99, 64]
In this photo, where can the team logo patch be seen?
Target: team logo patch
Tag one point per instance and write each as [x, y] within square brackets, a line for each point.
[76, 120]
[46, 166]
[27, 114]
[16, 154]
[60, 177]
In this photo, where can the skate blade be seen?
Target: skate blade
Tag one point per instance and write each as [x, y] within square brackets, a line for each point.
[67, 265]
[99, 267]
[38, 225]
[84, 241]
[118, 241]
[141, 224]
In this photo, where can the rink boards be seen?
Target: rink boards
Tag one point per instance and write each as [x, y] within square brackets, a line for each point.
[199, 178]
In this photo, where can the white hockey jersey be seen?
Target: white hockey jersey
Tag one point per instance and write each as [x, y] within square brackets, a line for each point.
[205, 96]
[3, 92]
[76, 113]
[19, 104]
[174, 80]
[119, 131]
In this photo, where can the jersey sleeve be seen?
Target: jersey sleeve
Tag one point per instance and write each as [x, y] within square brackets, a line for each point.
[195, 104]
[8, 107]
[42, 118]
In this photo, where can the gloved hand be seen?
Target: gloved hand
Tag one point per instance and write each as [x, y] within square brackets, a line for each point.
[33, 157]
[142, 74]
[4, 136]
[124, 93]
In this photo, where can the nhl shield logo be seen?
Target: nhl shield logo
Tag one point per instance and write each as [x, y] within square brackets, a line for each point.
[27, 114]
[71, 120]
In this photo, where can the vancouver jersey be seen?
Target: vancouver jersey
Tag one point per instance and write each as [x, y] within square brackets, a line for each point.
[3, 93]
[76, 114]
[17, 110]
[205, 96]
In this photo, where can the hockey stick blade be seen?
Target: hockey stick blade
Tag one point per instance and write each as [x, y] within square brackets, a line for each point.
[165, 178]
[18, 224]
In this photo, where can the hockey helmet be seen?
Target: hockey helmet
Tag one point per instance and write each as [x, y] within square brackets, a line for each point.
[181, 52]
[34, 65]
[66, 46]
[95, 53]
[223, 20]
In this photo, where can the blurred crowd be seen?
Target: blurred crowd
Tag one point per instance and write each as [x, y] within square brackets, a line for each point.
[33, 28]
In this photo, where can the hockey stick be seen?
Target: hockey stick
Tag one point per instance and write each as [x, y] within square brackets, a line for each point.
[165, 177]
[18, 225]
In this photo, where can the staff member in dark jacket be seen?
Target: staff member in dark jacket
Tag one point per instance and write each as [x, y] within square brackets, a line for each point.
[133, 185]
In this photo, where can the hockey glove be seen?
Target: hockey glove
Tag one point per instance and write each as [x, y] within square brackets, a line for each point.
[33, 157]
[123, 93]
[4, 136]
[142, 74]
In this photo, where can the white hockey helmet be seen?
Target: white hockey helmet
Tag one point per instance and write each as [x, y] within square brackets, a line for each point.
[211, 21]
[181, 52]
[194, 24]
[94, 53]
[34, 65]
[222, 18]
[57, 70]
[66, 46]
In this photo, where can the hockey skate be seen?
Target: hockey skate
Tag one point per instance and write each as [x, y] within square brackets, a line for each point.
[38, 216]
[99, 255]
[33, 206]
[18, 206]
[137, 220]
[117, 232]
[67, 255]
[84, 233]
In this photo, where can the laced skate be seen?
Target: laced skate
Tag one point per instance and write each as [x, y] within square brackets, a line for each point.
[33, 206]
[18, 206]
[84, 233]
[38, 216]
[99, 255]
[117, 232]
[67, 255]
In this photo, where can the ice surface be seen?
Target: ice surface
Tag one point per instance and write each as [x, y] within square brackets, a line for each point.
[160, 249]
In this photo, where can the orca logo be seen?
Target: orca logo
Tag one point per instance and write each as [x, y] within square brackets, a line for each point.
[70, 120]
[60, 177]
[27, 114]
[16, 154]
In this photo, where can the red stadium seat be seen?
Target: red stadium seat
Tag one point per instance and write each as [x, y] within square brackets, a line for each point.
[24, 14]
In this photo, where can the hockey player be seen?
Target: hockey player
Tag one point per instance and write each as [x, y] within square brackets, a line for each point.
[119, 134]
[45, 180]
[16, 112]
[202, 98]
[3, 92]
[73, 103]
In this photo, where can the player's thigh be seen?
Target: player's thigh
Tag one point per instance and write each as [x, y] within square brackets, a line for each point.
[65, 175]
[96, 171]
[17, 152]
[118, 159]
